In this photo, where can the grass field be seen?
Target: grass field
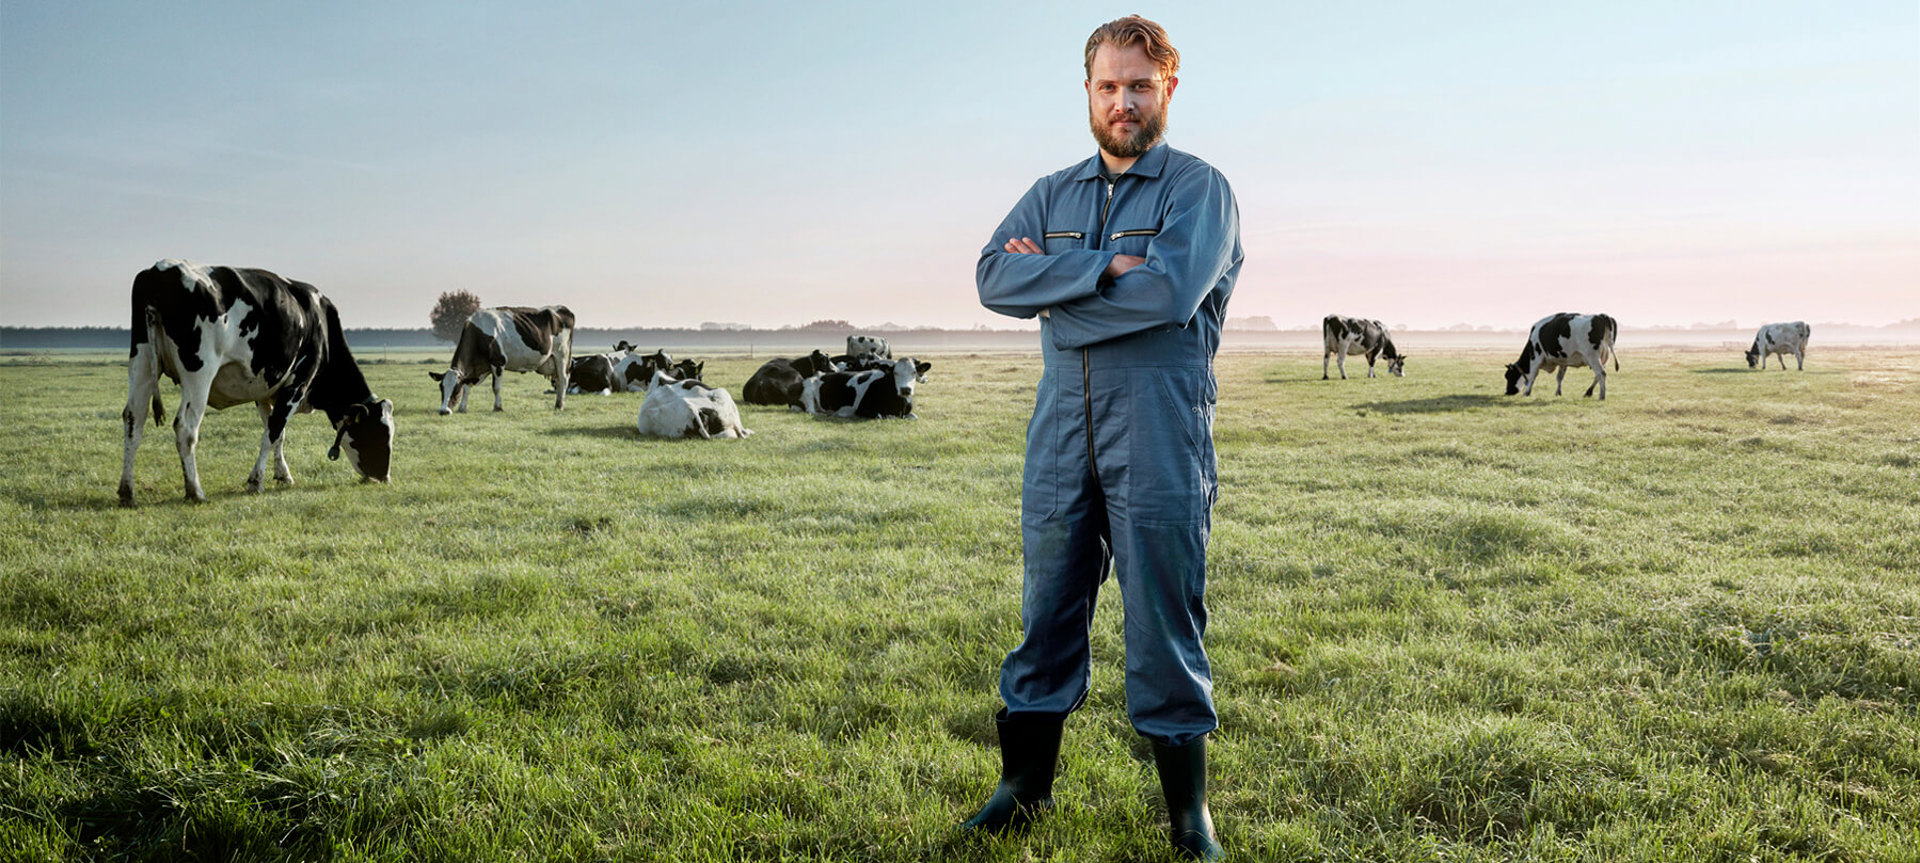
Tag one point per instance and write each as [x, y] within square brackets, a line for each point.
[1682, 624]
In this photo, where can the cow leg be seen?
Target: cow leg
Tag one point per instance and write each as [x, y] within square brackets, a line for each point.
[1370, 357]
[1324, 358]
[1799, 361]
[186, 429]
[560, 389]
[273, 441]
[464, 389]
[1559, 376]
[143, 380]
[1342, 362]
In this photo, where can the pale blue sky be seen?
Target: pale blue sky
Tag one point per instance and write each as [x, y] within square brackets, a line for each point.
[769, 163]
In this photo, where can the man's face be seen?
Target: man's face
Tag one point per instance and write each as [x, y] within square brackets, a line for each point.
[1127, 100]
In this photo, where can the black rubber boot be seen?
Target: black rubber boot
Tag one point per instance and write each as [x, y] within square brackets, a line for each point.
[1029, 749]
[1183, 779]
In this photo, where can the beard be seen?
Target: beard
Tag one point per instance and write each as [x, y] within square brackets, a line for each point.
[1127, 146]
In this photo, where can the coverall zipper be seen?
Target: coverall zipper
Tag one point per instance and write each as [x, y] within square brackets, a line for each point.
[1086, 363]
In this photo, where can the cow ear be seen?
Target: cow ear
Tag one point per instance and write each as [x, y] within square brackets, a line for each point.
[386, 409]
[922, 367]
[436, 375]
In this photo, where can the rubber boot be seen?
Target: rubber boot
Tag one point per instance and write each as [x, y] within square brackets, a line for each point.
[1029, 750]
[1183, 779]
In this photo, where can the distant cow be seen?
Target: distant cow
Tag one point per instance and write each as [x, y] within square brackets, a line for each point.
[778, 381]
[230, 336]
[872, 394]
[1345, 336]
[593, 374]
[1782, 339]
[868, 346]
[688, 408]
[1563, 340]
[633, 370]
[514, 339]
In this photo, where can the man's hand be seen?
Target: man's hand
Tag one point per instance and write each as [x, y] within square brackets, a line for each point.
[1023, 246]
[1121, 264]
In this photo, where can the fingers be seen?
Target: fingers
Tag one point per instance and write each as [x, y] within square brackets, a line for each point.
[1023, 246]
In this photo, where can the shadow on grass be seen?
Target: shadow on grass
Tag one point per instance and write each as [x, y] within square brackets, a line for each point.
[619, 432]
[1726, 371]
[1445, 404]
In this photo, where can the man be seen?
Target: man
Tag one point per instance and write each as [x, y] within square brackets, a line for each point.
[1128, 259]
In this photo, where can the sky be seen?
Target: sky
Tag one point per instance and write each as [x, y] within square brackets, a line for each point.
[770, 164]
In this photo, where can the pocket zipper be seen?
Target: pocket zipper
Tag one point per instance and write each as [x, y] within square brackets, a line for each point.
[1141, 232]
[1065, 235]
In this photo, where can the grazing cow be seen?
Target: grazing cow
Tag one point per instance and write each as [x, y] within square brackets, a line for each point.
[778, 381]
[230, 336]
[514, 339]
[873, 394]
[1563, 340]
[688, 408]
[1782, 339]
[1359, 336]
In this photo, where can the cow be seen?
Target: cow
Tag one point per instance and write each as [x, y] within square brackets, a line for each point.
[778, 381]
[514, 339]
[1782, 339]
[688, 370]
[859, 347]
[229, 335]
[688, 408]
[873, 394]
[594, 374]
[1563, 340]
[1359, 336]
[634, 370]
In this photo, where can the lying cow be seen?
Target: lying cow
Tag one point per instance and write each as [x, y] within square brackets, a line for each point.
[1359, 336]
[634, 370]
[1560, 341]
[513, 339]
[872, 394]
[688, 408]
[778, 381]
[594, 375]
[230, 336]
[1782, 339]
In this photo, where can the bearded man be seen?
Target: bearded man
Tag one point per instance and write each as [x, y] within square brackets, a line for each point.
[1127, 259]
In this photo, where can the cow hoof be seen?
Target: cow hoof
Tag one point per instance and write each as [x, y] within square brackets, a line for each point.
[126, 496]
[445, 411]
[254, 486]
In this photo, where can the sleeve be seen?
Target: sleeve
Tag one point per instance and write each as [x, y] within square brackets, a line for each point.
[1198, 245]
[1021, 286]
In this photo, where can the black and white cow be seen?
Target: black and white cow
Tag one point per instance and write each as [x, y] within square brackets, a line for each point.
[868, 346]
[1782, 339]
[513, 339]
[593, 375]
[1560, 341]
[230, 336]
[873, 394]
[634, 370]
[1345, 336]
[778, 381]
[689, 408]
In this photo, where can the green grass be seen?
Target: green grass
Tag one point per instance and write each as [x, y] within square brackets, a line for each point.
[1682, 624]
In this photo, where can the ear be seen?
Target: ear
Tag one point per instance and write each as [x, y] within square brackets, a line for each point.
[922, 367]
[386, 409]
[1172, 83]
[436, 375]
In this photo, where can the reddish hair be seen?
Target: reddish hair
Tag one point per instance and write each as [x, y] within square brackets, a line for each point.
[1135, 30]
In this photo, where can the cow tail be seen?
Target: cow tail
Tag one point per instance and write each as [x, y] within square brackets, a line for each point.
[155, 337]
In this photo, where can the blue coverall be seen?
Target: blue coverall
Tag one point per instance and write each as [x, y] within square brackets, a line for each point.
[1120, 463]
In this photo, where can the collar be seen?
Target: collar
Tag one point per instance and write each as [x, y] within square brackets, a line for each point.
[1149, 164]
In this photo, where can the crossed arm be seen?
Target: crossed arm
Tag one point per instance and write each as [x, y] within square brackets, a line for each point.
[1119, 264]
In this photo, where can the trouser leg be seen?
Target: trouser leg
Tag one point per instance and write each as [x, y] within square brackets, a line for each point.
[1067, 558]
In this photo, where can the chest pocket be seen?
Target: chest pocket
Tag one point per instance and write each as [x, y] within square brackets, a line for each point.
[1131, 241]
[1060, 241]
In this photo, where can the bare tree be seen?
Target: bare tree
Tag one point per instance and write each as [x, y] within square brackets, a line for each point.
[450, 314]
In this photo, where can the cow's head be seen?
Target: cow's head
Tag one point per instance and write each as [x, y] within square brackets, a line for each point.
[365, 434]
[1397, 365]
[1516, 378]
[906, 372]
[451, 382]
[624, 346]
[1753, 355]
[688, 370]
